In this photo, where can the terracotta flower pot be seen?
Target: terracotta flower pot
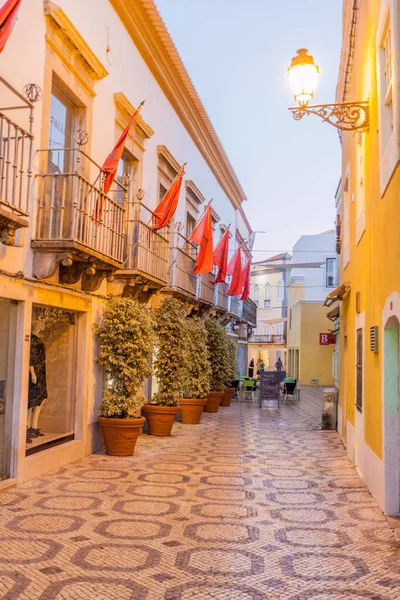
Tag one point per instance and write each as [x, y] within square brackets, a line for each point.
[227, 397]
[213, 402]
[160, 418]
[191, 410]
[120, 435]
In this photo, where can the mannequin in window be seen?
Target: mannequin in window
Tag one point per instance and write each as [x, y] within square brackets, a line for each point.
[37, 385]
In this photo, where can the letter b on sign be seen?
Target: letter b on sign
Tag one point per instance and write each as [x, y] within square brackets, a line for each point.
[324, 339]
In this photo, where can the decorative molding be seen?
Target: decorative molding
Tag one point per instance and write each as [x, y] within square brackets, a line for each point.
[166, 154]
[127, 109]
[73, 40]
[215, 216]
[150, 36]
[195, 191]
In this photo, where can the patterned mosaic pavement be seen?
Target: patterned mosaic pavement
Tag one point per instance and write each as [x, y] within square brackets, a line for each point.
[250, 505]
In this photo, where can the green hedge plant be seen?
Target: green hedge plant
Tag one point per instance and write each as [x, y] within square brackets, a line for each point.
[231, 358]
[169, 326]
[126, 345]
[197, 370]
[217, 354]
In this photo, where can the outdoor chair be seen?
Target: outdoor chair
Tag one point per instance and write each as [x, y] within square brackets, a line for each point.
[289, 389]
[241, 392]
[251, 391]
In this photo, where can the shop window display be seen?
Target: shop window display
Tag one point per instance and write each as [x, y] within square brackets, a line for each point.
[7, 355]
[52, 367]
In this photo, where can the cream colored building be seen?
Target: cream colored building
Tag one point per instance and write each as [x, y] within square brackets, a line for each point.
[269, 292]
[91, 64]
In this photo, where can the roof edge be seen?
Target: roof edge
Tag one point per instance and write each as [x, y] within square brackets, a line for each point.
[144, 24]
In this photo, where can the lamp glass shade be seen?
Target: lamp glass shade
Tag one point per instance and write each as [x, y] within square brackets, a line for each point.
[303, 76]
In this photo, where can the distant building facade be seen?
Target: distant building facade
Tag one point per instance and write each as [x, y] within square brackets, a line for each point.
[313, 275]
[269, 292]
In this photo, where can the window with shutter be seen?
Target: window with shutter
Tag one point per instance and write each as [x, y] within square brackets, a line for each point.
[359, 370]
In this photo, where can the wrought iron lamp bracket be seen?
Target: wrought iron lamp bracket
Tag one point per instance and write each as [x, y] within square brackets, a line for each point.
[346, 116]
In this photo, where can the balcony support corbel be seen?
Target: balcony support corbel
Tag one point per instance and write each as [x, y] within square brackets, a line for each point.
[93, 277]
[45, 263]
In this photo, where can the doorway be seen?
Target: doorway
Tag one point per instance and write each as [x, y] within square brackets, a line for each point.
[391, 417]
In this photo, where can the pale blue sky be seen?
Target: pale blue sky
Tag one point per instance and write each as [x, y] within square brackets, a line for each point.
[237, 52]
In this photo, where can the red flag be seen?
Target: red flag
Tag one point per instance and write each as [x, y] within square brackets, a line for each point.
[167, 207]
[246, 280]
[110, 166]
[8, 14]
[202, 235]
[221, 258]
[235, 269]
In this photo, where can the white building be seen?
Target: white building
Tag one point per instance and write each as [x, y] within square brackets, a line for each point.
[92, 63]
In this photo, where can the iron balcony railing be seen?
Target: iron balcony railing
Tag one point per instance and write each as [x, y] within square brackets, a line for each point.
[15, 166]
[236, 307]
[206, 289]
[268, 339]
[73, 210]
[15, 151]
[182, 261]
[223, 298]
[249, 312]
[149, 253]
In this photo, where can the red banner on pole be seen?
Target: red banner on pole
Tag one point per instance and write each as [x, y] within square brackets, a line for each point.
[246, 280]
[110, 166]
[167, 207]
[235, 269]
[8, 14]
[202, 235]
[221, 254]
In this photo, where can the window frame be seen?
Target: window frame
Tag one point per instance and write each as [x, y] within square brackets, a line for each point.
[331, 261]
[280, 291]
[255, 294]
[388, 118]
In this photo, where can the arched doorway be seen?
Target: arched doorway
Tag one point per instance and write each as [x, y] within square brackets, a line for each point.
[391, 417]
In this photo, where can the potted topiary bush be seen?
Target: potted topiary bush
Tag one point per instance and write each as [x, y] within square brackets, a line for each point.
[217, 356]
[126, 345]
[231, 369]
[197, 372]
[169, 327]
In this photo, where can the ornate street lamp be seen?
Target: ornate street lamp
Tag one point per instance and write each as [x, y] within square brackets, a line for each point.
[303, 76]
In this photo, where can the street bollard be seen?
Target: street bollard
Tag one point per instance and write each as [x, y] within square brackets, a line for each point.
[329, 408]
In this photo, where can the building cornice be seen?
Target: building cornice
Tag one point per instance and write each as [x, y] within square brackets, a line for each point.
[296, 280]
[150, 36]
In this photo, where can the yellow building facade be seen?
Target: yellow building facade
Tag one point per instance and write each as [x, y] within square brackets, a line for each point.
[308, 361]
[369, 419]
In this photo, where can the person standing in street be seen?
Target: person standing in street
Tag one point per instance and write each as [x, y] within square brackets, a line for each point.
[251, 368]
[279, 364]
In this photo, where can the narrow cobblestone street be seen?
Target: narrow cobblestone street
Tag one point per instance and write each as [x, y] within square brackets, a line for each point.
[251, 504]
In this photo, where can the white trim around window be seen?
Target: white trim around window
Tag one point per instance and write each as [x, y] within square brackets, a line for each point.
[388, 102]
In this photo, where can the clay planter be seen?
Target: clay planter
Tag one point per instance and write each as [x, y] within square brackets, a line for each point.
[213, 402]
[160, 418]
[120, 435]
[191, 410]
[227, 397]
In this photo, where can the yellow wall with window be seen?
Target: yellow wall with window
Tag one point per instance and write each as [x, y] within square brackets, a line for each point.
[371, 169]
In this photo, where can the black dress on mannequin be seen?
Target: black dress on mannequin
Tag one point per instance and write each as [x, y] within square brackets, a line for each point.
[37, 391]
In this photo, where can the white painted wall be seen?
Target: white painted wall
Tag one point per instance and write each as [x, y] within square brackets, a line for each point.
[22, 62]
[312, 249]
